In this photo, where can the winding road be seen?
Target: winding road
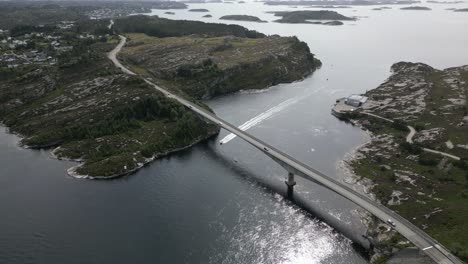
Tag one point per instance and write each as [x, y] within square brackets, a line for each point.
[418, 237]
[409, 137]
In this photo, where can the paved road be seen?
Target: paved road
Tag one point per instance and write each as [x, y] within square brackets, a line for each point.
[409, 137]
[420, 239]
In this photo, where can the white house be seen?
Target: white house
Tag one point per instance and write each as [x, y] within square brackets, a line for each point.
[355, 100]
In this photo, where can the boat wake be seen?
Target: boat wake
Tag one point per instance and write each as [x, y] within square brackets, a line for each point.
[267, 114]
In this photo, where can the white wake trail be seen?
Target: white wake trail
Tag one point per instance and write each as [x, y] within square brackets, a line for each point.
[266, 115]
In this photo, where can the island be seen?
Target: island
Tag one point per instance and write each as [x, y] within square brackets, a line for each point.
[243, 18]
[461, 10]
[417, 160]
[382, 8]
[329, 6]
[60, 91]
[444, 2]
[417, 8]
[304, 17]
[169, 13]
[207, 15]
[198, 10]
[341, 2]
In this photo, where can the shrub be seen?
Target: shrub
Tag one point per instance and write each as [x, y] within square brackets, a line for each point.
[410, 148]
[400, 125]
[427, 161]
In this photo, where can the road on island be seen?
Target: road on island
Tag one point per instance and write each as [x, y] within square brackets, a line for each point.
[418, 237]
[409, 137]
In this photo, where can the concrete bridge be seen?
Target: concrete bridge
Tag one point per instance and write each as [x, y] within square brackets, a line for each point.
[295, 168]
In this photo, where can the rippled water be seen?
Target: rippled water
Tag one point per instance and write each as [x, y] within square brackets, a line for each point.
[220, 203]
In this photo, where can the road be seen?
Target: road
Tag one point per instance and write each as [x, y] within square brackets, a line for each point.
[418, 237]
[412, 132]
[409, 137]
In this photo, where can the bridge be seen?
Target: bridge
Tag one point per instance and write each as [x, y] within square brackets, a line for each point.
[294, 168]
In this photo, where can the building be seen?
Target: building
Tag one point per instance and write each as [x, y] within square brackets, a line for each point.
[355, 100]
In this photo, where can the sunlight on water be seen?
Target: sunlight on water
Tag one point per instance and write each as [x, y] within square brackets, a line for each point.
[291, 236]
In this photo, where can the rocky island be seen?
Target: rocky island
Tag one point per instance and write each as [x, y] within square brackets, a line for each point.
[199, 10]
[420, 8]
[305, 17]
[417, 160]
[243, 18]
[72, 99]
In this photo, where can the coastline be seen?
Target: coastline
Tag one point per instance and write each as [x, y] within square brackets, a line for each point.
[72, 171]
[376, 233]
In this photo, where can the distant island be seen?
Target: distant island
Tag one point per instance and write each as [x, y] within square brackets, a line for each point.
[169, 13]
[329, 6]
[207, 15]
[444, 2]
[199, 10]
[242, 18]
[342, 2]
[382, 8]
[421, 8]
[306, 16]
[461, 10]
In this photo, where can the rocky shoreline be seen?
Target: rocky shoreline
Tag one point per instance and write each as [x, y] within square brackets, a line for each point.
[423, 187]
[72, 172]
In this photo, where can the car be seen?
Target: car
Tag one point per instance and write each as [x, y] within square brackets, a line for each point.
[390, 222]
[264, 148]
[190, 106]
[221, 123]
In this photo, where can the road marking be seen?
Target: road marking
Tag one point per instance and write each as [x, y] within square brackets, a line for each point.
[426, 248]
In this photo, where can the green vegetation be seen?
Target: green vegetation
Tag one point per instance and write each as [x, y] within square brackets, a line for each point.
[161, 27]
[59, 89]
[112, 122]
[202, 67]
[434, 189]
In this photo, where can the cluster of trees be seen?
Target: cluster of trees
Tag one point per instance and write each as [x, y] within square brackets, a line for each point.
[161, 27]
[128, 117]
[13, 13]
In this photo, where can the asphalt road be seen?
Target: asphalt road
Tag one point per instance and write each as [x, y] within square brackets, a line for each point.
[418, 237]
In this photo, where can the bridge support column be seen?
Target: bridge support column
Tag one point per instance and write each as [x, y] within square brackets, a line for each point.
[290, 182]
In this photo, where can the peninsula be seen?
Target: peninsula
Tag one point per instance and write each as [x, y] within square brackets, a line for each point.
[417, 160]
[58, 88]
[217, 62]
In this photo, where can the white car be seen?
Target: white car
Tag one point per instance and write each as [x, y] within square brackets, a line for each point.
[390, 222]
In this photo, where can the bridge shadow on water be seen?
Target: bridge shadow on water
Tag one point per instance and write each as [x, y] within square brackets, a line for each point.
[275, 186]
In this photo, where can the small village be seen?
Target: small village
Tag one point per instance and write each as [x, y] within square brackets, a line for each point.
[39, 48]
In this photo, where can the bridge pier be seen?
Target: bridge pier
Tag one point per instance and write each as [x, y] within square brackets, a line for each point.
[290, 182]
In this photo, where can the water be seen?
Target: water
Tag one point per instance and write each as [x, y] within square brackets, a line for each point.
[219, 203]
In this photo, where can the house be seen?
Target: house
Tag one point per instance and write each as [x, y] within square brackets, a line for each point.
[355, 100]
